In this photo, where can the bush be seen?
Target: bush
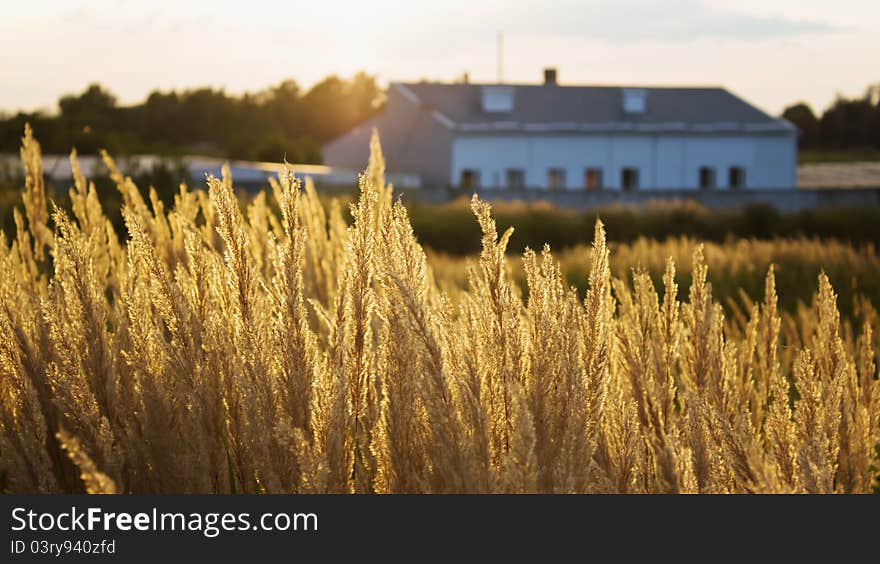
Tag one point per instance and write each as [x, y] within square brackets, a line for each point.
[449, 227]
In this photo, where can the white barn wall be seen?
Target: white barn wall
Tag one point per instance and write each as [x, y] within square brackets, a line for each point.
[671, 163]
[776, 158]
[720, 153]
[665, 161]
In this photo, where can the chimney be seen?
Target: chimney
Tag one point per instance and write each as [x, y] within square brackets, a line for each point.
[550, 76]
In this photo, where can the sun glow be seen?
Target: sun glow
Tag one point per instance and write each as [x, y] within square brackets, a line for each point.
[773, 55]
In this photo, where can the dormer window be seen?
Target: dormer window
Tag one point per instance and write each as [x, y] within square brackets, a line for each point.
[497, 99]
[635, 101]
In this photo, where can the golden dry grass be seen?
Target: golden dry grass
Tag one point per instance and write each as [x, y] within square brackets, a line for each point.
[221, 351]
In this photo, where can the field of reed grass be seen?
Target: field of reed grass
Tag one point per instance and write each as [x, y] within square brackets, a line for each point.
[220, 349]
[736, 269]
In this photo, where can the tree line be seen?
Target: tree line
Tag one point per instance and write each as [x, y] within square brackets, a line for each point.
[266, 125]
[849, 123]
[285, 120]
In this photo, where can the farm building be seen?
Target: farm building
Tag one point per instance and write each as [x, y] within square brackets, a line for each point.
[553, 137]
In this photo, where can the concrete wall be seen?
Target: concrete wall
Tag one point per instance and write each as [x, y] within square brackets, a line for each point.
[664, 161]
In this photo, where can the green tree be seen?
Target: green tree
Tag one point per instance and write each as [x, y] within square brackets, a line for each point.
[281, 120]
[95, 102]
[802, 116]
[334, 106]
[847, 123]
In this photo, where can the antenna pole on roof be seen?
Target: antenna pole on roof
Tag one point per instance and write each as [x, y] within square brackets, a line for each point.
[500, 58]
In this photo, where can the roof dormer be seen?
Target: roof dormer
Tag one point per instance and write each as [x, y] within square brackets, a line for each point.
[635, 101]
[497, 99]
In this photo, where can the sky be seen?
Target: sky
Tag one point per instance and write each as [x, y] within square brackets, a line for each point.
[770, 52]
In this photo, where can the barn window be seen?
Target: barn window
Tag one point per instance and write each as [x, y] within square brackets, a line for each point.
[736, 177]
[593, 179]
[470, 179]
[556, 178]
[629, 179]
[516, 178]
[707, 178]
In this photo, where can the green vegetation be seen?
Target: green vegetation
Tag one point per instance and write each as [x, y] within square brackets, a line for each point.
[848, 129]
[736, 269]
[267, 125]
[854, 155]
[449, 227]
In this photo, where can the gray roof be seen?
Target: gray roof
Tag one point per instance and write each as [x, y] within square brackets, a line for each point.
[554, 107]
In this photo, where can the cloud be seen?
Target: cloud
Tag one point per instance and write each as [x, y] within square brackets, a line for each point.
[669, 21]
